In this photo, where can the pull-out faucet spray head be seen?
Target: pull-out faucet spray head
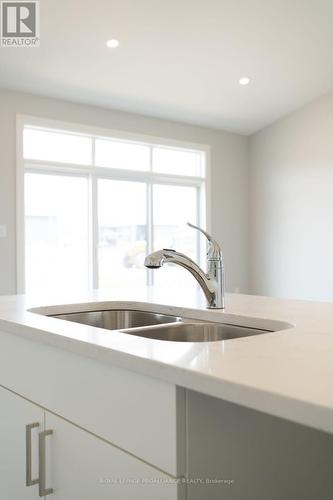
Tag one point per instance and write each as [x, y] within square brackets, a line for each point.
[211, 283]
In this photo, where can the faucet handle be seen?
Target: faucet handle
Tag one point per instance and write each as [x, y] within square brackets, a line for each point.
[214, 250]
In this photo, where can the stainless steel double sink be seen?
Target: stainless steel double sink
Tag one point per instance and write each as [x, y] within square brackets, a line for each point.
[160, 326]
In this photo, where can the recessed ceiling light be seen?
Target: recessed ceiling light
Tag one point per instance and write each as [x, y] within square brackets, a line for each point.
[112, 44]
[244, 81]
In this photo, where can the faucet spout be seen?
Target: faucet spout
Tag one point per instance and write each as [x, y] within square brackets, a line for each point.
[211, 283]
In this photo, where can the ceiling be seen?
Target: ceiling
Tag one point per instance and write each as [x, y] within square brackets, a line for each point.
[181, 59]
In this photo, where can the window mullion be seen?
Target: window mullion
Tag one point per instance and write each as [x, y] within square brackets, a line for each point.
[150, 221]
[150, 227]
[93, 151]
[94, 232]
[200, 223]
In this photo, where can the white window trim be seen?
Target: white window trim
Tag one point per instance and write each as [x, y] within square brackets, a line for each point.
[72, 169]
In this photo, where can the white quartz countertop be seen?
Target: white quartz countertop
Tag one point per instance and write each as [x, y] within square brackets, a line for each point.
[288, 373]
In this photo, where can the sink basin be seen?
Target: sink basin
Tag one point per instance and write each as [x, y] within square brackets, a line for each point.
[118, 319]
[136, 319]
[160, 326]
[195, 332]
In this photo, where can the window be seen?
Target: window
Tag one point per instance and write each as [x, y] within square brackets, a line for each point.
[94, 206]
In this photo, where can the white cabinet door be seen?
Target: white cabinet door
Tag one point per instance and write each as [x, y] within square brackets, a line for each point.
[15, 414]
[80, 466]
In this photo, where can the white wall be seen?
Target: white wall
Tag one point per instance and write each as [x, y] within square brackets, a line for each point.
[291, 205]
[229, 161]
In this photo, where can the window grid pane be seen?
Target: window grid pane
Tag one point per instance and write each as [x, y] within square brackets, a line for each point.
[121, 155]
[56, 232]
[174, 206]
[122, 222]
[57, 146]
[177, 162]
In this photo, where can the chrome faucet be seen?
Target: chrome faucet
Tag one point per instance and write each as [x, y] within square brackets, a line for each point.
[212, 282]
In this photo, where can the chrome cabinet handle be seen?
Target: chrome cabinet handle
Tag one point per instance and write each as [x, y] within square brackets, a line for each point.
[43, 491]
[28, 448]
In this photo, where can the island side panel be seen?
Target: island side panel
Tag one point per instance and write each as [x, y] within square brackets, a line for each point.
[258, 456]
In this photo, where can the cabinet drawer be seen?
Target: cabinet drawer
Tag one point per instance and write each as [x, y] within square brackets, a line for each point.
[133, 411]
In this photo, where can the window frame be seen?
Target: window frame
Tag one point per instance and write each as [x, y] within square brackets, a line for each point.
[93, 173]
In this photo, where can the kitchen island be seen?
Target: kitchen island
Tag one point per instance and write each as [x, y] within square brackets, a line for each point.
[123, 416]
